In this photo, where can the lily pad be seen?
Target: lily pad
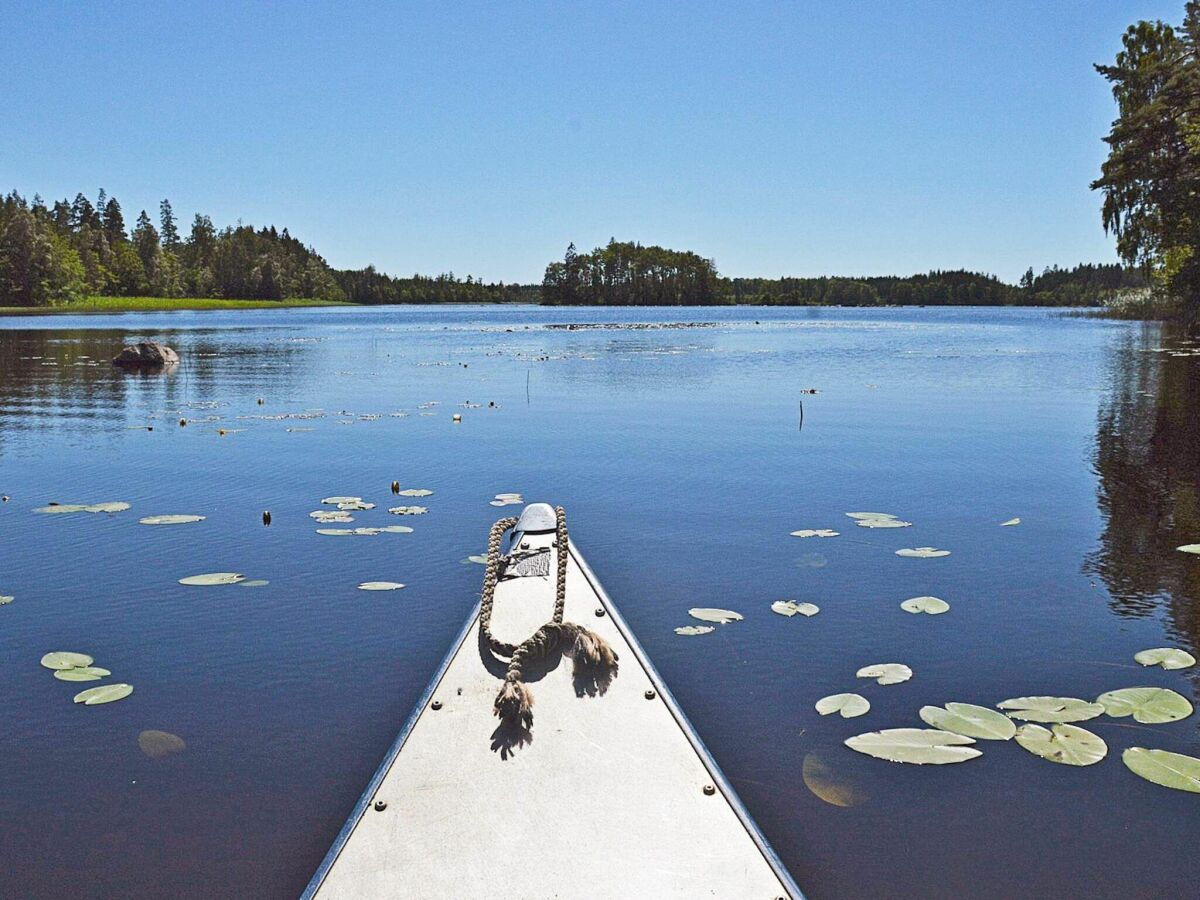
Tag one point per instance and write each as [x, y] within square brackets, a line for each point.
[355, 506]
[107, 693]
[720, 616]
[113, 506]
[877, 520]
[933, 606]
[820, 778]
[479, 560]
[415, 492]
[695, 629]
[1148, 705]
[792, 608]
[82, 673]
[5, 600]
[65, 659]
[393, 529]
[506, 500]
[922, 552]
[380, 586]
[1189, 548]
[921, 746]
[212, 578]
[408, 510]
[815, 532]
[1050, 709]
[336, 531]
[1066, 744]
[1010, 522]
[334, 501]
[970, 720]
[254, 582]
[1172, 770]
[851, 706]
[160, 744]
[1167, 657]
[61, 508]
[170, 520]
[886, 673]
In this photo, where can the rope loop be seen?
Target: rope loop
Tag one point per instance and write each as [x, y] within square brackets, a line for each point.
[588, 650]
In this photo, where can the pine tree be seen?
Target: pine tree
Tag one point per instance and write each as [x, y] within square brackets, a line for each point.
[114, 222]
[170, 232]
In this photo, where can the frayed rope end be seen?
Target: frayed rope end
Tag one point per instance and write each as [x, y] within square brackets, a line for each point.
[514, 703]
[590, 651]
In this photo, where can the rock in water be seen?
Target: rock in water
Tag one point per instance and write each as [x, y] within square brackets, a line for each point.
[146, 355]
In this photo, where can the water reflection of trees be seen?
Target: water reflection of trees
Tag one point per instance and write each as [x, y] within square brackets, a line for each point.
[1147, 456]
[54, 379]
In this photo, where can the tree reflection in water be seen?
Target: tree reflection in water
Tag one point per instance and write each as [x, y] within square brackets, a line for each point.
[1147, 457]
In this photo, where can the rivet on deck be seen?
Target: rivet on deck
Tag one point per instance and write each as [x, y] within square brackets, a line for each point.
[650, 695]
[380, 806]
[709, 790]
[599, 612]
[436, 704]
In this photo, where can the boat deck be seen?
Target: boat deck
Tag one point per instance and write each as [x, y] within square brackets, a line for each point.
[610, 796]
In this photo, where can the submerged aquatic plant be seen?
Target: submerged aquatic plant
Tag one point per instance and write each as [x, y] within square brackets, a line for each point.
[160, 744]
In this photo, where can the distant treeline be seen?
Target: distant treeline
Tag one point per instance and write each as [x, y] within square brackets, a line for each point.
[629, 274]
[59, 253]
[369, 286]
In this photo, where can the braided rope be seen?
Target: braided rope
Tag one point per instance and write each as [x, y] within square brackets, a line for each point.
[587, 648]
[490, 578]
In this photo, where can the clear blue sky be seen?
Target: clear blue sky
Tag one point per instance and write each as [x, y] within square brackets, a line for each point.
[784, 138]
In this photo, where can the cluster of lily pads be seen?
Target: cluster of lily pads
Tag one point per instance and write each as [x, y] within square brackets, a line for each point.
[342, 507]
[71, 666]
[113, 506]
[116, 506]
[955, 727]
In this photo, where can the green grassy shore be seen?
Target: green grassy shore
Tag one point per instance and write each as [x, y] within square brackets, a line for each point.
[156, 304]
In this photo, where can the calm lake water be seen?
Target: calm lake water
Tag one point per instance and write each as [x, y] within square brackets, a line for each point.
[679, 456]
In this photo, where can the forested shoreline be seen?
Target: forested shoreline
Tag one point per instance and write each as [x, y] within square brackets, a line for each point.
[629, 274]
[56, 255]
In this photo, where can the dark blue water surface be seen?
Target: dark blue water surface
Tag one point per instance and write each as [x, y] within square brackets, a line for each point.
[679, 456]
